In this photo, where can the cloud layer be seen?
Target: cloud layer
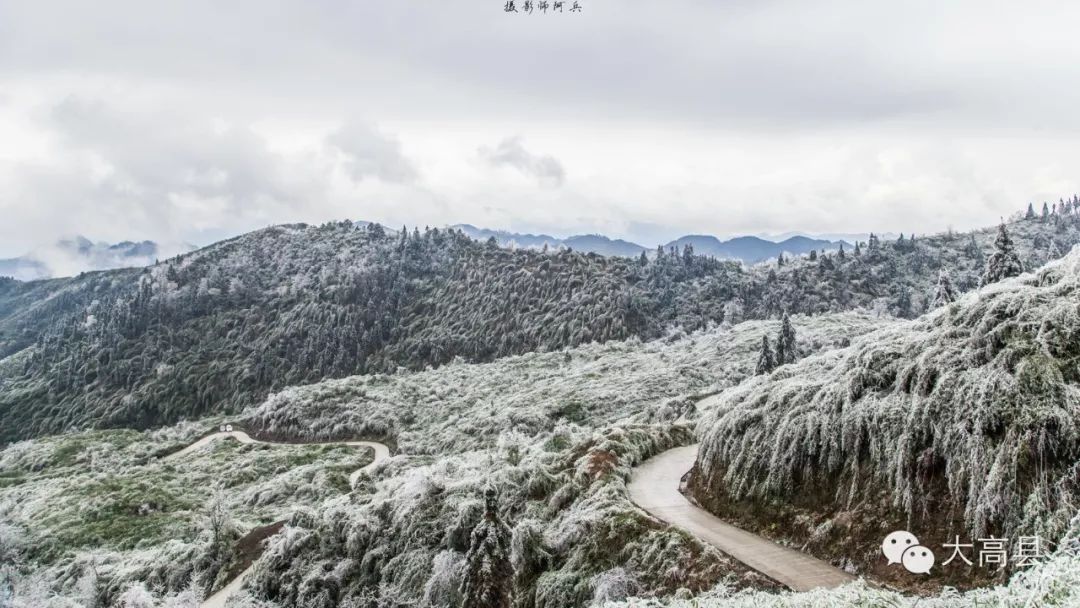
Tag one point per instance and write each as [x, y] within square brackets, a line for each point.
[186, 122]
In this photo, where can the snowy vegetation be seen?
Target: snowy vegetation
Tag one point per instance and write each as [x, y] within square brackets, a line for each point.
[218, 329]
[520, 388]
[463, 406]
[965, 421]
[105, 503]
[556, 433]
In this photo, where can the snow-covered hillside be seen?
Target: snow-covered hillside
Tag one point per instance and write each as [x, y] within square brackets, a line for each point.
[965, 421]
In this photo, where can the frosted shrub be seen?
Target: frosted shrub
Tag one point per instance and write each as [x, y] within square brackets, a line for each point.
[615, 584]
[512, 445]
[137, 596]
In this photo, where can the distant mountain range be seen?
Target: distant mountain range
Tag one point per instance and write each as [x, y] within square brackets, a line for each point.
[749, 249]
[69, 257]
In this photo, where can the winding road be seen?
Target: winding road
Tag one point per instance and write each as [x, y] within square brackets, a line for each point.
[382, 452]
[654, 486]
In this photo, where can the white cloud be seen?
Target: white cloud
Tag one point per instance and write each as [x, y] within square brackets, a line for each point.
[511, 152]
[368, 153]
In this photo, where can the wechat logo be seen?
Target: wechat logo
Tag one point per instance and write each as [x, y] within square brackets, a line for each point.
[902, 547]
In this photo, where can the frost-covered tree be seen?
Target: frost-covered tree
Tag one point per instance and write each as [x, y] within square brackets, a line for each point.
[12, 544]
[733, 311]
[221, 528]
[786, 346]
[1004, 262]
[972, 249]
[1030, 214]
[137, 596]
[944, 293]
[903, 305]
[1053, 252]
[488, 573]
[766, 359]
[1045, 211]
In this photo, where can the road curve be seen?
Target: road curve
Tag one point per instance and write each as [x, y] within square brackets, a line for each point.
[382, 452]
[654, 486]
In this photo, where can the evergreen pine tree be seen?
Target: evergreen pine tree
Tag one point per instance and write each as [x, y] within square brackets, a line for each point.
[840, 254]
[488, 573]
[766, 360]
[643, 260]
[945, 294]
[972, 249]
[858, 249]
[780, 259]
[1030, 215]
[1004, 262]
[1045, 212]
[785, 342]
[903, 303]
[873, 246]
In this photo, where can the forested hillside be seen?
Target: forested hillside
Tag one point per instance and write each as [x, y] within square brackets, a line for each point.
[220, 328]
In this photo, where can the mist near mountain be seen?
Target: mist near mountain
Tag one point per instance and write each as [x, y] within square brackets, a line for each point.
[71, 256]
[749, 249]
[752, 249]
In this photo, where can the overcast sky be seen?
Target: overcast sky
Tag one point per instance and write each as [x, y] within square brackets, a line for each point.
[190, 121]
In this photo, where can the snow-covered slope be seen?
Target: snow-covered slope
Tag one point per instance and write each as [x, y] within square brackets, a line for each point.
[965, 421]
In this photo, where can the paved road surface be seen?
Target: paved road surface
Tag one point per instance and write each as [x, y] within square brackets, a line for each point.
[382, 452]
[654, 486]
